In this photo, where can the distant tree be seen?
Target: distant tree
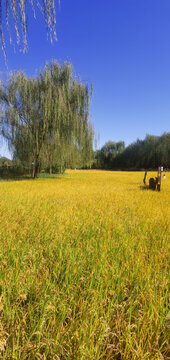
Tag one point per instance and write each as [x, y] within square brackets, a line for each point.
[4, 161]
[120, 147]
[106, 156]
[163, 150]
[17, 10]
[109, 148]
[151, 152]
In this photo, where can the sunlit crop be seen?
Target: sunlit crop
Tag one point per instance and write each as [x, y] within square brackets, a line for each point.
[84, 267]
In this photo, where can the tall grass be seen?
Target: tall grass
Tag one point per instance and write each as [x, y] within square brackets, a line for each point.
[84, 268]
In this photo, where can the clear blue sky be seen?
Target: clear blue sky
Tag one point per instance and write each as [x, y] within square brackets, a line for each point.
[123, 48]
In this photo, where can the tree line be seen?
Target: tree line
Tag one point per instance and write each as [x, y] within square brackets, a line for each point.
[46, 119]
[149, 153]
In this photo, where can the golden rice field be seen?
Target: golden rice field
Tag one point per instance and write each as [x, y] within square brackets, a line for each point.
[84, 268]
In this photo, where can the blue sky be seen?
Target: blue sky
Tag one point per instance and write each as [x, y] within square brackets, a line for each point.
[123, 48]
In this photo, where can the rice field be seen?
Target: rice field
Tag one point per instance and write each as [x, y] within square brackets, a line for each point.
[84, 268]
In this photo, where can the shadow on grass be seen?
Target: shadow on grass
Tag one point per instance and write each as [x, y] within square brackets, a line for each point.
[28, 177]
[52, 176]
[15, 178]
[144, 187]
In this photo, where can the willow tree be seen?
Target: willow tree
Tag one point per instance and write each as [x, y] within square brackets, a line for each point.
[69, 131]
[23, 119]
[47, 116]
[15, 13]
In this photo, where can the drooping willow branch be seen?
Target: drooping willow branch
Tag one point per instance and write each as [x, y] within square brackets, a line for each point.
[17, 9]
[47, 118]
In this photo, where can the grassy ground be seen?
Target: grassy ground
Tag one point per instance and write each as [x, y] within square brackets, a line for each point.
[84, 268]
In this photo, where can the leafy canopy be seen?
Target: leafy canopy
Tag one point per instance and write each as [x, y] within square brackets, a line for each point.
[47, 117]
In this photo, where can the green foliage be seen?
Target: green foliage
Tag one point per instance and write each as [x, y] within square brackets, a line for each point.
[151, 152]
[5, 162]
[105, 157]
[13, 172]
[45, 119]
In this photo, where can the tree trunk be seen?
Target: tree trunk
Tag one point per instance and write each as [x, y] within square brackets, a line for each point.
[51, 163]
[33, 171]
[35, 167]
